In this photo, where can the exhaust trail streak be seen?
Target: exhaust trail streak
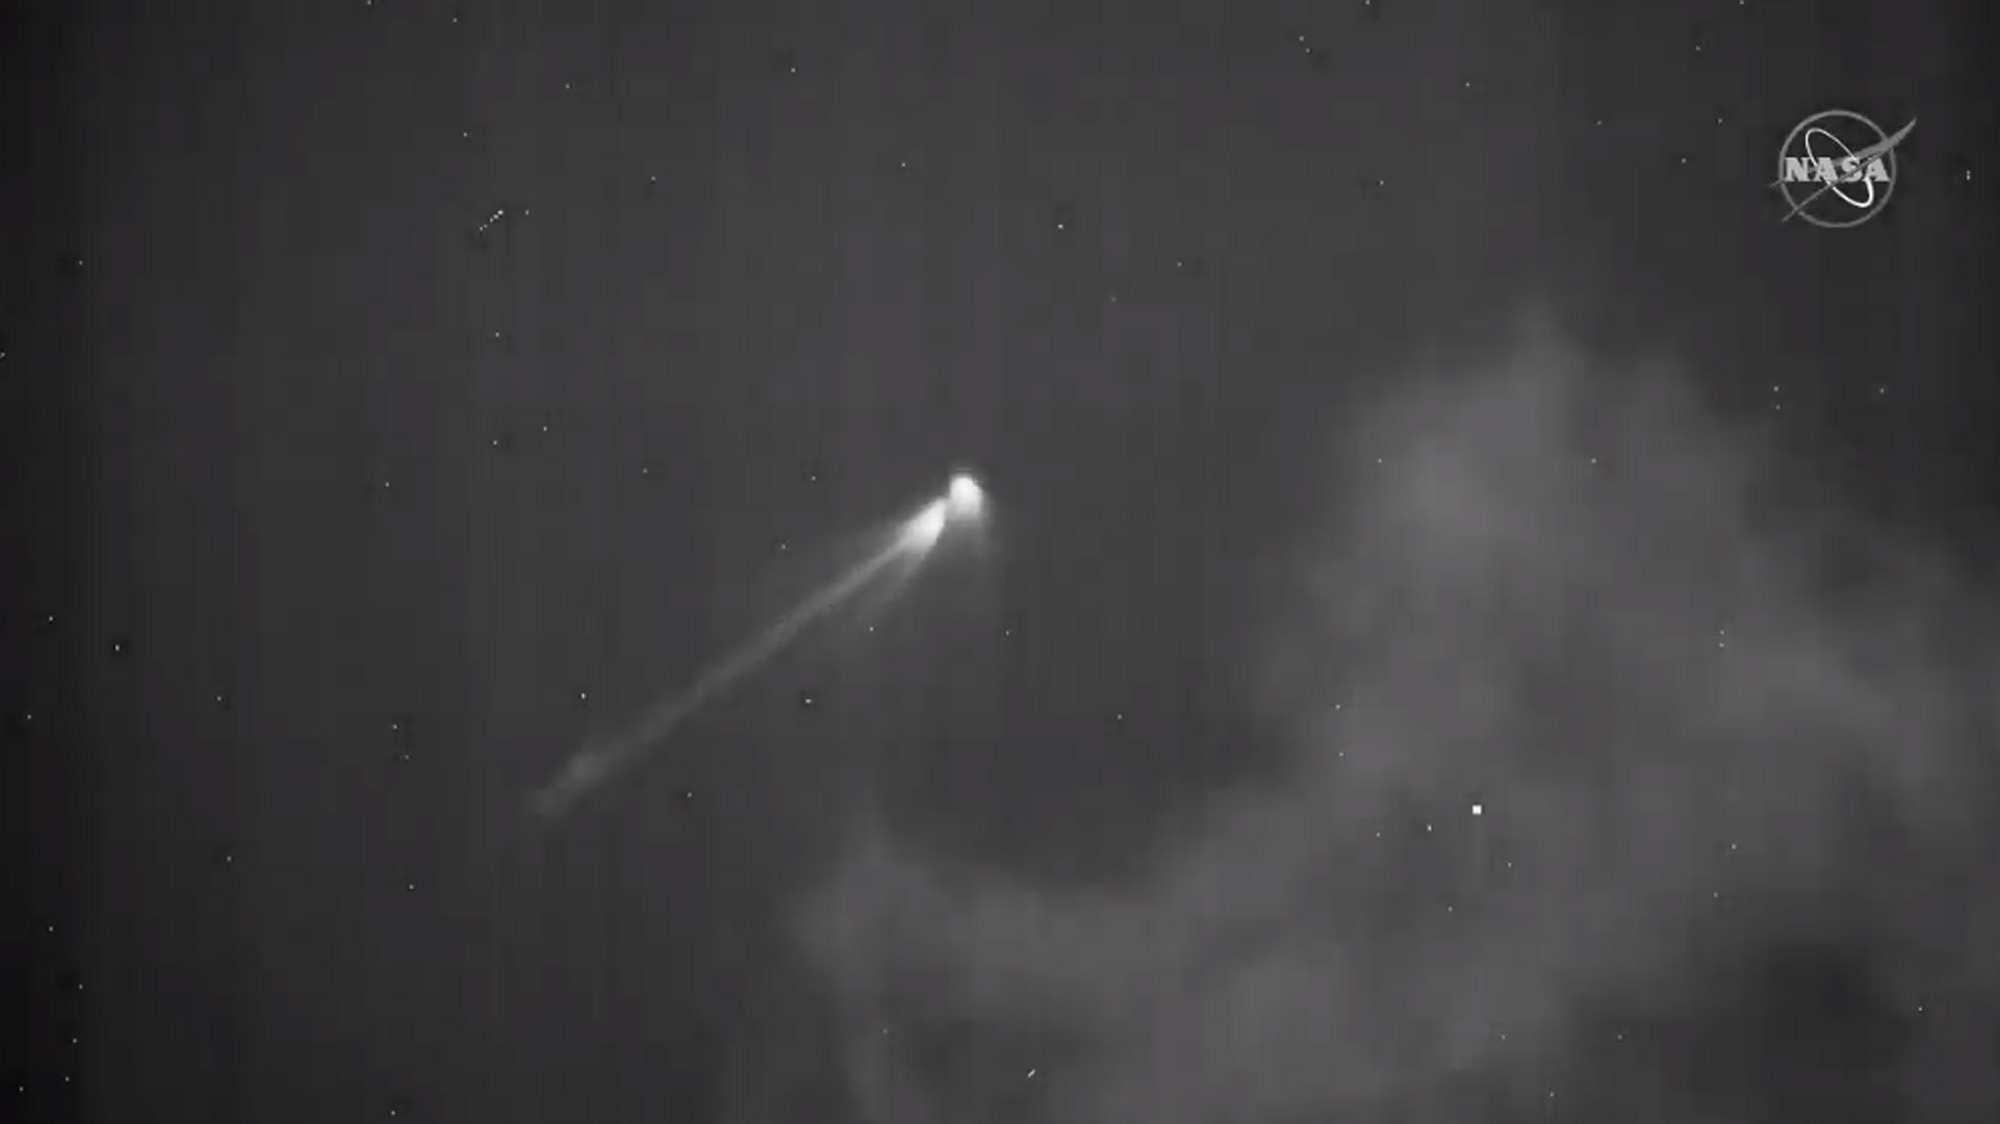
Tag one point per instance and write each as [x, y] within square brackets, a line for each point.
[593, 765]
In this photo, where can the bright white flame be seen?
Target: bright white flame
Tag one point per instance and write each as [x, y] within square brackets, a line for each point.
[924, 530]
[965, 495]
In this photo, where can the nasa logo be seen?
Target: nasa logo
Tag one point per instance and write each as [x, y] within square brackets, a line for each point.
[1837, 169]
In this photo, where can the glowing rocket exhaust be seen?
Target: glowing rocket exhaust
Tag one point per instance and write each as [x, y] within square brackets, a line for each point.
[595, 763]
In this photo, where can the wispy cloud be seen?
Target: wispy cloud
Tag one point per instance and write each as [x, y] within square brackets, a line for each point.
[1570, 596]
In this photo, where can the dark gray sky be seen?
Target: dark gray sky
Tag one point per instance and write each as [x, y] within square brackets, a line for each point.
[1386, 411]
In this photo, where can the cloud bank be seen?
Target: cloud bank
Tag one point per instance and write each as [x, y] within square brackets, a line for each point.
[1732, 759]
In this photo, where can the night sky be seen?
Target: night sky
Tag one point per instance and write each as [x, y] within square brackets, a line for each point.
[1475, 618]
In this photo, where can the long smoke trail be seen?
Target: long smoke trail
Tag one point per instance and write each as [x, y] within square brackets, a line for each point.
[594, 764]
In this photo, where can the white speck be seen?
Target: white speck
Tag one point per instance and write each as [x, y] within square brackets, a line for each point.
[408, 886]
[1427, 829]
[1032, 1072]
[583, 696]
[1479, 809]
